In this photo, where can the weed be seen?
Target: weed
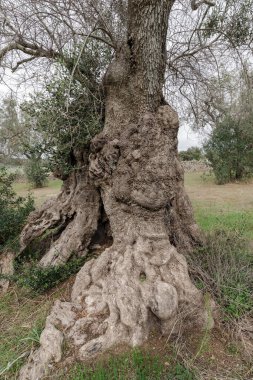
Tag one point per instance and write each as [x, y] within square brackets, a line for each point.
[232, 348]
[22, 320]
[180, 372]
[224, 267]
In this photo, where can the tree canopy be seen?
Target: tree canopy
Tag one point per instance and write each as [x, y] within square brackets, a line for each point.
[198, 43]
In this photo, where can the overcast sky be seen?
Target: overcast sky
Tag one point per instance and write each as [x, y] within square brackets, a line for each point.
[188, 138]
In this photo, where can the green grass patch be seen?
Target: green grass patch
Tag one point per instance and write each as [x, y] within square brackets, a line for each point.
[134, 365]
[199, 179]
[210, 219]
[21, 322]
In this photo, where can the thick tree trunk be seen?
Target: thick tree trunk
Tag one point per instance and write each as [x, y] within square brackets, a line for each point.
[141, 281]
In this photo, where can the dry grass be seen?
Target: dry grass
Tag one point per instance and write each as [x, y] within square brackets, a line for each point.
[22, 319]
[203, 191]
[42, 194]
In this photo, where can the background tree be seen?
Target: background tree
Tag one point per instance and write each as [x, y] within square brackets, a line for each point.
[229, 147]
[10, 130]
[128, 183]
[14, 211]
[230, 150]
[36, 172]
[193, 153]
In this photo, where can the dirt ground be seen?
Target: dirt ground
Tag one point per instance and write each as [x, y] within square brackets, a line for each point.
[236, 196]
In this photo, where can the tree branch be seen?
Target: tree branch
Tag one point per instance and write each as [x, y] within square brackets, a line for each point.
[21, 63]
[196, 4]
[27, 48]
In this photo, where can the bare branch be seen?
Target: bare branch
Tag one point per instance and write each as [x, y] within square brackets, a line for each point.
[196, 4]
[23, 61]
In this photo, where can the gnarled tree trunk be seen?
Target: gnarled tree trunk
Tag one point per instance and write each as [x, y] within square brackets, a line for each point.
[141, 280]
[70, 221]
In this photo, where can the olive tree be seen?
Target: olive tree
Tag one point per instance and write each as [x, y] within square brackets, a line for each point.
[128, 181]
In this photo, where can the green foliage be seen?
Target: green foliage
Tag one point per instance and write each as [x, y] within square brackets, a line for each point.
[69, 111]
[14, 210]
[39, 279]
[233, 19]
[180, 372]
[193, 153]
[36, 172]
[230, 149]
[224, 268]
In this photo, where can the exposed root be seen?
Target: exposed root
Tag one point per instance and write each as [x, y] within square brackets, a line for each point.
[116, 298]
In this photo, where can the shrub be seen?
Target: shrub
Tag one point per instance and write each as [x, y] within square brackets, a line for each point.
[230, 150]
[14, 210]
[36, 172]
[190, 154]
[39, 279]
[224, 268]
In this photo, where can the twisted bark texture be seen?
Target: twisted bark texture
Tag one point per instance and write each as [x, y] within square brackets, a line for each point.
[141, 281]
[70, 221]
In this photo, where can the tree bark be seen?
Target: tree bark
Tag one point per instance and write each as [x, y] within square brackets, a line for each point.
[141, 281]
[68, 223]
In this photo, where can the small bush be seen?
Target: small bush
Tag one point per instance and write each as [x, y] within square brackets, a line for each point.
[39, 279]
[180, 372]
[193, 153]
[224, 268]
[36, 172]
[14, 210]
[229, 149]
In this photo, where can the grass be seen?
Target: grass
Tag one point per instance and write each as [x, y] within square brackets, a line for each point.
[133, 365]
[224, 268]
[213, 219]
[225, 207]
[22, 319]
[41, 194]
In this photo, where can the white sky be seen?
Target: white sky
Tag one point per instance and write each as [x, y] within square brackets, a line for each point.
[188, 138]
